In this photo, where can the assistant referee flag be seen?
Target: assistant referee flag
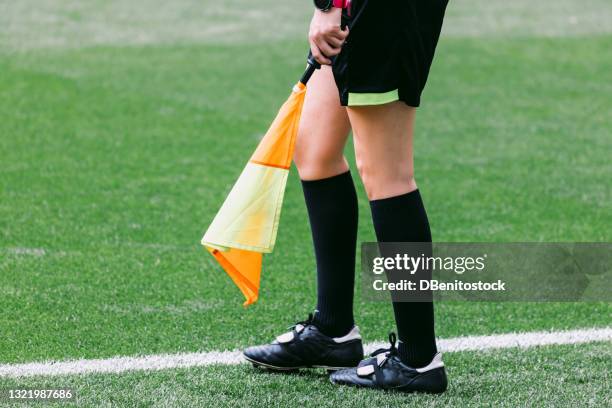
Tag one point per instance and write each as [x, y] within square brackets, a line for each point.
[245, 227]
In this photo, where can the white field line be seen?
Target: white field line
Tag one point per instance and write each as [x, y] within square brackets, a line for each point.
[169, 361]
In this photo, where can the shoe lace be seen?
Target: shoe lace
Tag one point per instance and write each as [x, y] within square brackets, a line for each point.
[303, 323]
[391, 351]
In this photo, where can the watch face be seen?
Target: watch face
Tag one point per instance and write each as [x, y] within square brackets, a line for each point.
[323, 4]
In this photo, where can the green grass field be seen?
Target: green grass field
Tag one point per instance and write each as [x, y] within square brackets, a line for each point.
[123, 126]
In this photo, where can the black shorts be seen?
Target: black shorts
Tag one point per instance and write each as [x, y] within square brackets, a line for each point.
[389, 50]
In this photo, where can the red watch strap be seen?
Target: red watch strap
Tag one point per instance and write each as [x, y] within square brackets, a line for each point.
[343, 4]
[340, 3]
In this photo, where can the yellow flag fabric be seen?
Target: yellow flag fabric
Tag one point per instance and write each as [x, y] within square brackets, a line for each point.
[248, 219]
[246, 225]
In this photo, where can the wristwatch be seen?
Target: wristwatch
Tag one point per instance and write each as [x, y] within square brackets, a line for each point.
[326, 5]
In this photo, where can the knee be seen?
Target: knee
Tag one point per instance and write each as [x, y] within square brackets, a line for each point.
[384, 180]
[315, 163]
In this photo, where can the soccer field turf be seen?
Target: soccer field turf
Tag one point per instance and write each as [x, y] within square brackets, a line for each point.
[123, 127]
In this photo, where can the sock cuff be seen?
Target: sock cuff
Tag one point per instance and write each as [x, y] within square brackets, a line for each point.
[397, 201]
[329, 182]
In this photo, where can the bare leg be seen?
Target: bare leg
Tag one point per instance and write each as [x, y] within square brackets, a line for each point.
[383, 146]
[331, 201]
[324, 129]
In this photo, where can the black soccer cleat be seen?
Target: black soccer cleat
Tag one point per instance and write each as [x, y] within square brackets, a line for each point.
[385, 371]
[306, 347]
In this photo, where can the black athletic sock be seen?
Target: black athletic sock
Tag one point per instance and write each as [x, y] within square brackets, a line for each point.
[332, 210]
[403, 219]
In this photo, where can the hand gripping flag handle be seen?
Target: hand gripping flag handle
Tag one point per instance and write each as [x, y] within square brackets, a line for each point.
[313, 65]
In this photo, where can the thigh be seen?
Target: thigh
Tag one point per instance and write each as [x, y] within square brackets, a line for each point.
[324, 129]
[383, 148]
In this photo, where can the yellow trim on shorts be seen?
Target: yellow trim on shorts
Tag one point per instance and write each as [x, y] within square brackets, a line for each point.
[363, 99]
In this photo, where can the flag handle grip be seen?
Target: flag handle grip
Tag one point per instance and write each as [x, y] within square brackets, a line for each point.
[312, 66]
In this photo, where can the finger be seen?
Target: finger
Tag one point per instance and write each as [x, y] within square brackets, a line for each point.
[339, 33]
[318, 56]
[335, 42]
[326, 49]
